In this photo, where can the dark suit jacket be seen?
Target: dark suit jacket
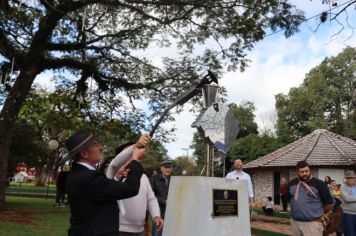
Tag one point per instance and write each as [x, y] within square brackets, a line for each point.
[92, 198]
[160, 188]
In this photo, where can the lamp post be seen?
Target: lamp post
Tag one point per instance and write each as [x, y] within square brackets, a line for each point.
[210, 92]
[52, 146]
[186, 149]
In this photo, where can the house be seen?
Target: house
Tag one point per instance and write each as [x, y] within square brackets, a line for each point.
[327, 153]
[21, 176]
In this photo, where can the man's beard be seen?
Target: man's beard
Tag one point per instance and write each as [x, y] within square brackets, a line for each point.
[304, 177]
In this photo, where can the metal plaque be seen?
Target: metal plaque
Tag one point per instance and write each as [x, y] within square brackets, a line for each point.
[225, 203]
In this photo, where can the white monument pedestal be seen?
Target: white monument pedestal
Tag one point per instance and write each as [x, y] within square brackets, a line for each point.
[193, 211]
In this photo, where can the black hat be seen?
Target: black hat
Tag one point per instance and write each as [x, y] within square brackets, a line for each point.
[122, 147]
[79, 141]
[166, 163]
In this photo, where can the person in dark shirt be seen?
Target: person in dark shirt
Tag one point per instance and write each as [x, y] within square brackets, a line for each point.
[93, 197]
[160, 186]
[283, 192]
[310, 199]
[60, 187]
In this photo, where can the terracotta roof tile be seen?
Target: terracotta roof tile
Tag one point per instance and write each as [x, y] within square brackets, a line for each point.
[320, 148]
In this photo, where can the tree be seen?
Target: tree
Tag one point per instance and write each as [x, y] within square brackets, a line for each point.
[326, 99]
[254, 146]
[244, 114]
[101, 39]
[184, 166]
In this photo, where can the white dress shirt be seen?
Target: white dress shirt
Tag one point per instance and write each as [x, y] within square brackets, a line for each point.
[242, 176]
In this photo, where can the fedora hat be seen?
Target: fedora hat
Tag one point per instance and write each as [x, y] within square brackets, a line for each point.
[79, 141]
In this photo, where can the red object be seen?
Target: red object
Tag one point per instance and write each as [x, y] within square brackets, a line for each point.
[283, 189]
[21, 167]
[32, 171]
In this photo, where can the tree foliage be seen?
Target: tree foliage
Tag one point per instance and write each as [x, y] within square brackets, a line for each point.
[244, 113]
[253, 146]
[326, 99]
[184, 166]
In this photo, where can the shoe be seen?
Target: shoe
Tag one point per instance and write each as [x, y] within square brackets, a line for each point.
[58, 205]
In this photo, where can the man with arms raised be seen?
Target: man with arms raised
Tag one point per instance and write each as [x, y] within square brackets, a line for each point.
[238, 173]
[92, 196]
[309, 199]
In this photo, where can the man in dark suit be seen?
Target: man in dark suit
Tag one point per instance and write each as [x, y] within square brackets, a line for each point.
[92, 196]
[160, 186]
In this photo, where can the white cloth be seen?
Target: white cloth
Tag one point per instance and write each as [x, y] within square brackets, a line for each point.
[86, 165]
[133, 210]
[270, 205]
[242, 176]
[121, 159]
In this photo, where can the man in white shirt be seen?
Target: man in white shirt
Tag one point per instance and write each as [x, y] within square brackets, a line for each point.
[238, 173]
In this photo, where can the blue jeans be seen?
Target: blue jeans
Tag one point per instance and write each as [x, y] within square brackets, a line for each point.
[154, 230]
[349, 222]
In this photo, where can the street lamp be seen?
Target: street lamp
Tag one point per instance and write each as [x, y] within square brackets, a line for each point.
[186, 149]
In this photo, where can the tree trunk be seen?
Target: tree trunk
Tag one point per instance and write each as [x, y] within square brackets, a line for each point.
[8, 118]
[43, 176]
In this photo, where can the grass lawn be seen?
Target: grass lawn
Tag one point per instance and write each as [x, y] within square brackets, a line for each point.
[33, 216]
[26, 216]
[30, 188]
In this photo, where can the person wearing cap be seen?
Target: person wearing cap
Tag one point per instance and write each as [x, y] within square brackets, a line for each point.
[348, 199]
[160, 186]
[92, 197]
[133, 210]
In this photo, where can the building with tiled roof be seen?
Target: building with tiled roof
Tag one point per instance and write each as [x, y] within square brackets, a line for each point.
[327, 153]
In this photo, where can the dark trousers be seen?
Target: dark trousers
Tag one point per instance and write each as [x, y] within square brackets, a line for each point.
[284, 199]
[60, 195]
[267, 211]
[131, 234]
[155, 232]
[349, 223]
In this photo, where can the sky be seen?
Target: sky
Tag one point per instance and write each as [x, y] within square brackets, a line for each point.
[278, 64]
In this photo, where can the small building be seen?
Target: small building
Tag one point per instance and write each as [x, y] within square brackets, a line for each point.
[21, 176]
[327, 153]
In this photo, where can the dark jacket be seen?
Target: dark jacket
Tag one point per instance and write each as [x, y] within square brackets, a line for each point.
[160, 188]
[92, 198]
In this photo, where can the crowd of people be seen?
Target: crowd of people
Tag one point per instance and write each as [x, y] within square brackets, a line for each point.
[120, 201]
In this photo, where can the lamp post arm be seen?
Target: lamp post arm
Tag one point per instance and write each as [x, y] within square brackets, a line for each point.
[161, 118]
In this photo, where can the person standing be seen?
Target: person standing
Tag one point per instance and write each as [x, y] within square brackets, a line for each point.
[60, 187]
[283, 193]
[133, 210]
[348, 198]
[310, 199]
[160, 186]
[238, 173]
[92, 197]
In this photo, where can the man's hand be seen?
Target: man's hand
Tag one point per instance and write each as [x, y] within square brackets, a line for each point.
[122, 172]
[138, 154]
[159, 222]
[143, 141]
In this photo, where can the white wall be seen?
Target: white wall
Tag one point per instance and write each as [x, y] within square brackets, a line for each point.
[336, 174]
